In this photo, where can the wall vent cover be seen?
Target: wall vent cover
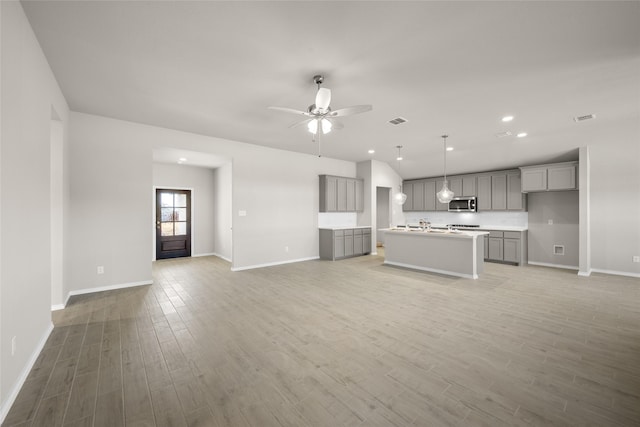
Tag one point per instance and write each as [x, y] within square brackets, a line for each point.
[398, 120]
[583, 118]
[558, 249]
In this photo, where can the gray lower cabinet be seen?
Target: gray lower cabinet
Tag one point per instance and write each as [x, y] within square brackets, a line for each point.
[344, 243]
[506, 246]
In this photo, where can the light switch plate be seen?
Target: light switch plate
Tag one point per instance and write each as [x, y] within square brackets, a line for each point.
[242, 213]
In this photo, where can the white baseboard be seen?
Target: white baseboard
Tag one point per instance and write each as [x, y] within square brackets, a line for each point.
[223, 257]
[615, 273]
[108, 288]
[57, 307]
[584, 273]
[199, 255]
[547, 264]
[271, 264]
[13, 393]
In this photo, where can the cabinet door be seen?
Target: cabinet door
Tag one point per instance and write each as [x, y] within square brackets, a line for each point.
[484, 193]
[430, 196]
[351, 195]
[561, 177]
[342, 195]
[455, 185]
[441, 206]
[330, 196]
[511, 250]
[514, 192]
[534, 179]
[359, 195]
[418, 196]
[348, 242]
[407, 188]
[366, 241]
[338, 246]
[469, 186]
[496, 248]
[357, 242]
[499, 192]
[486, 247]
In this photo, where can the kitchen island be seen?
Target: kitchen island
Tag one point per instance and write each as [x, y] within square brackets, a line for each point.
[452, 252]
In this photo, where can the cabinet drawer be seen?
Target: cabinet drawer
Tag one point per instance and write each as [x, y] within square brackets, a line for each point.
[348, 232]
[511, 234]
[357, 232]
[493, 233]
[338, 233]
[366, 231]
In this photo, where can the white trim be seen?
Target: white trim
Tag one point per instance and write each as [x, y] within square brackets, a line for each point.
[271, 264]
[57, 307]
[109, 288]
[222, 257]
[615, 273]
[199, 255]
[584, 273]
[547, 264]
[432, 270]
[13, 393]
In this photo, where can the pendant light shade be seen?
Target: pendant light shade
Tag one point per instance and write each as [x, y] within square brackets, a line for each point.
[445, 195]
[399, 198]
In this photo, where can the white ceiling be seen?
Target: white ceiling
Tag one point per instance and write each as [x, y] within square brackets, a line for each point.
[213, 68]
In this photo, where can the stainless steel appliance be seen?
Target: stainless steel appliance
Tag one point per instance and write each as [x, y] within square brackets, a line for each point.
[462, 204]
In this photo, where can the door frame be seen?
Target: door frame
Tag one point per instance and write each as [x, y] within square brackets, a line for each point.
[153, 215]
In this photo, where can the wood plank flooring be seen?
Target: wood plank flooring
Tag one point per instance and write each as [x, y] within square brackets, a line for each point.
[347, 343]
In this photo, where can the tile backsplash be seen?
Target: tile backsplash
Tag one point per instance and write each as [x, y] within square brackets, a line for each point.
[511, 219]
[337, 219]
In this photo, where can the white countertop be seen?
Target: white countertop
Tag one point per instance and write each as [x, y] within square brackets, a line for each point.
[436, 233]
[487, 227]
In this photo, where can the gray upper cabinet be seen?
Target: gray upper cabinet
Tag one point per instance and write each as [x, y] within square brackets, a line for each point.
[340, 194]
[484, 192]
[469, 186]
[498, 191]
[551, 177]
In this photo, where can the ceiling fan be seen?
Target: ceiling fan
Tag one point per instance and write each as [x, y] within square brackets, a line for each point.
[320, 118]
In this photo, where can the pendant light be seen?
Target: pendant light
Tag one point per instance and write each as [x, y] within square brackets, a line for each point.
[399, 198]
[445, 195]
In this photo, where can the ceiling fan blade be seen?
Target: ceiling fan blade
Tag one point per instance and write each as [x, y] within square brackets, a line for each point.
[337, 125]
[300, 123]
[348, 111]
[289, 110]
[323, 98]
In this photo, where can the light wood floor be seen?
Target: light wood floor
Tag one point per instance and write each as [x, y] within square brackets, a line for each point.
[344, 343]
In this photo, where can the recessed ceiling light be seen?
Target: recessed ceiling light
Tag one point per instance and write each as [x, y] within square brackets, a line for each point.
[182, 159]
[521, 135]
[449, 148]
[507, 118]
[372, 151]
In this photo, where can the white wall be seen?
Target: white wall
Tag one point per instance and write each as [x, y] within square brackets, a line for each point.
[111, 164]
[28, 93]
[223, 222]
[615, 203]
[201, 182]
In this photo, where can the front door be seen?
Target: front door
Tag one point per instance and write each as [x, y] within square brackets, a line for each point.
[173, 223]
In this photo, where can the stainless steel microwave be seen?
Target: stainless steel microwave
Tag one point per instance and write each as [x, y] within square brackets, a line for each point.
[462, 204]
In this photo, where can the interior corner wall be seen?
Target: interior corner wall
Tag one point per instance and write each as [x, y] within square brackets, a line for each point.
[222, 217]
[615, 203]
[383, 175]
[110, 197]
[201, 181]
[28, 92]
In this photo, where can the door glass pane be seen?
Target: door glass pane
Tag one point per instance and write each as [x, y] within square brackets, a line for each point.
[166, 214]
[166, 229]
[181, 228]
[181, 201]
[166, 199]
[181, 214]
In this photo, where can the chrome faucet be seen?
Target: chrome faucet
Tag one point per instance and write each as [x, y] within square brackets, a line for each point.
[424, 224]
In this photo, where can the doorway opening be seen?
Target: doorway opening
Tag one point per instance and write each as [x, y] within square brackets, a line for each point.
[173, 223]
[383, 212]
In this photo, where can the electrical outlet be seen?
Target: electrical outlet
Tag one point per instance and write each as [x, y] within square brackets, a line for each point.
[636, 258]
[100, 269]
[13, 346]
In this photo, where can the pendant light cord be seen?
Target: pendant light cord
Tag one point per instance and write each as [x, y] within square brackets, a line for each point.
[444, 139]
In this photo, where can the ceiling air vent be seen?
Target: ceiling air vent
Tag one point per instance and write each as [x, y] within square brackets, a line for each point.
[503, 134]
[398, 121]
[583, 118]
